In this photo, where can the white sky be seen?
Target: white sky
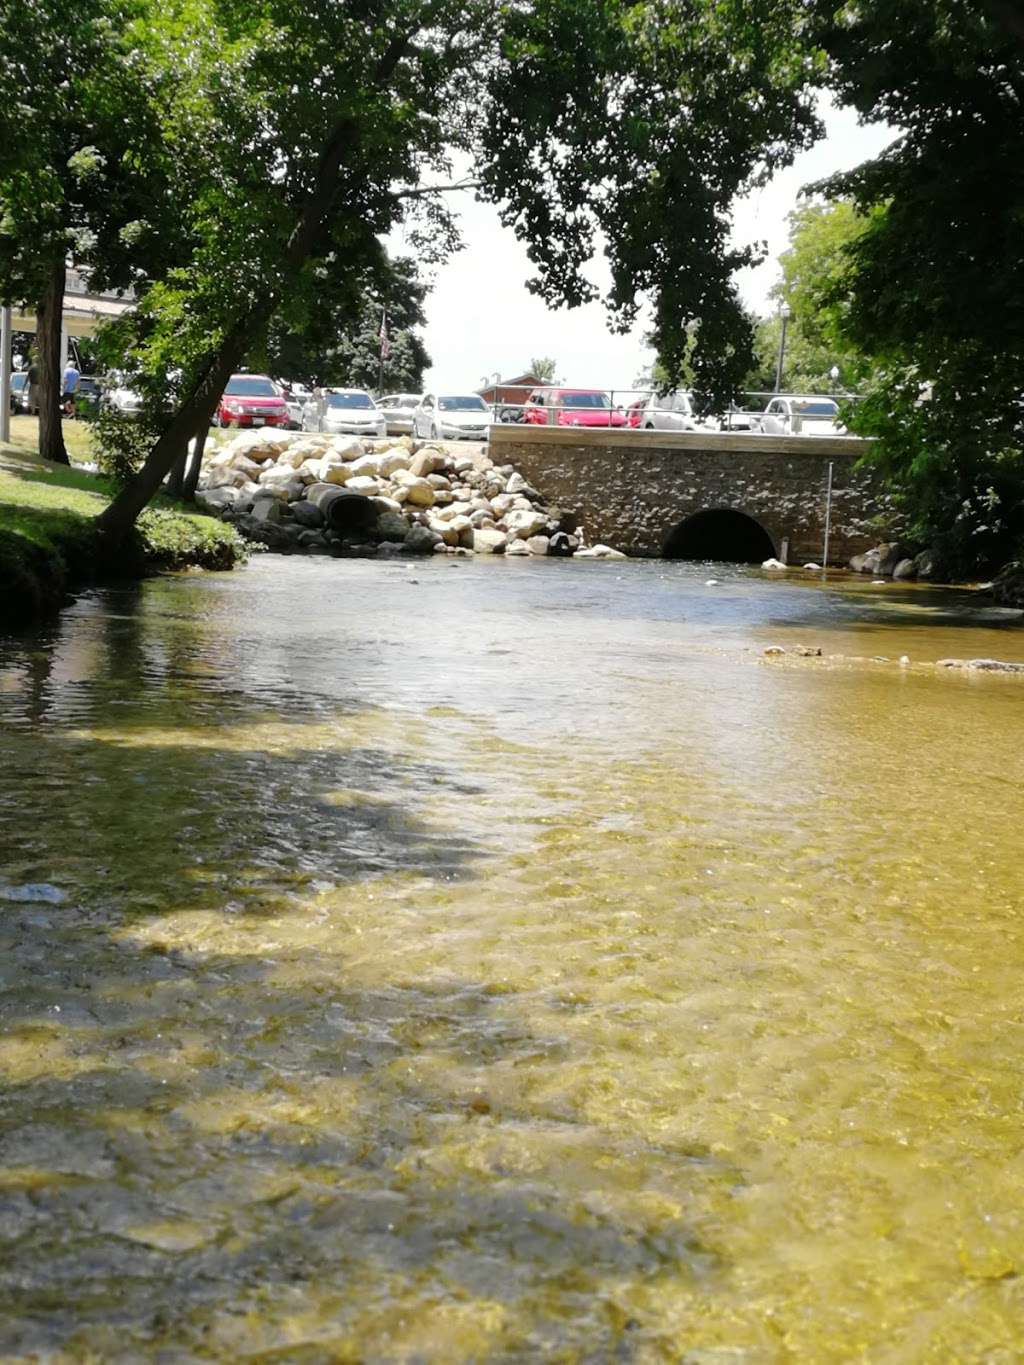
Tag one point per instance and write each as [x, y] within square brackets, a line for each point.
[481, 319]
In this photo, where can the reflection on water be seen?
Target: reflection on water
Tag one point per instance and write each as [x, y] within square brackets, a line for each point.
[499, 961]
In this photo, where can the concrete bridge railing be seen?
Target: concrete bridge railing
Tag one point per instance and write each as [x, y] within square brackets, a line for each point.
[683, 494]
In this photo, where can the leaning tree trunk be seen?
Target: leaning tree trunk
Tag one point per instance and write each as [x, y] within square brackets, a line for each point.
[191, 483]
[176, 478]
[49, 321]
[197, 410]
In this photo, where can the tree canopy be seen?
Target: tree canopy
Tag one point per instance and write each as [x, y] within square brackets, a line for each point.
[933, 289]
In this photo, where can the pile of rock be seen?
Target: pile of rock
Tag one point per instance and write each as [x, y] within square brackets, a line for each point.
[894, 560]
[344, 496]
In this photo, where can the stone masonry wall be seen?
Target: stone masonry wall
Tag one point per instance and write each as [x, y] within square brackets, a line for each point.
[632, 489]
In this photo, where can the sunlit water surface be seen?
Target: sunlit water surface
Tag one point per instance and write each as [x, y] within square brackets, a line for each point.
[507, 961]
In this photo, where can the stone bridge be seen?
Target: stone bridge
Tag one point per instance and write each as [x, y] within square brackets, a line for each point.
[683, 495]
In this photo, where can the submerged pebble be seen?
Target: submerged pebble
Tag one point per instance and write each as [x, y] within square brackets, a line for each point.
[33, 891]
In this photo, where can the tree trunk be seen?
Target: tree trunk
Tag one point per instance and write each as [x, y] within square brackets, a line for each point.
[188, 491]
[195, 413]
[49, 320]
[176, 478]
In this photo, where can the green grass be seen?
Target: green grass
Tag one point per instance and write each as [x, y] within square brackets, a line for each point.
[48, 540]
[77, 436]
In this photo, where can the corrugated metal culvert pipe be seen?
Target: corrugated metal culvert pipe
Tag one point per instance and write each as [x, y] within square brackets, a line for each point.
[342, 510]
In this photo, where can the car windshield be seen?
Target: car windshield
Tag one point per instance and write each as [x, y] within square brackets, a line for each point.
[585, 400]
[250, 386]
[822, 409]
[463, 403]
[350, 400]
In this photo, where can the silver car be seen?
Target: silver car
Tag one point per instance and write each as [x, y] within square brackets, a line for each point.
[398, 410]
[451, 417]
[343, 410]
[670, 412]
[801, 415]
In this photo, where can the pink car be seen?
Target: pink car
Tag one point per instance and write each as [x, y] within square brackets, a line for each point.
[571, 408]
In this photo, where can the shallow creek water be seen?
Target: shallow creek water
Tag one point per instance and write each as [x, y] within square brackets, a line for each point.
[506, 961]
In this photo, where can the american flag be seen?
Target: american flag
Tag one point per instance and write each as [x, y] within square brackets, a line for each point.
[385, 345]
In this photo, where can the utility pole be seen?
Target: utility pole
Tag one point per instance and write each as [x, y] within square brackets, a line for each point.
[784, 314]
[5, 373]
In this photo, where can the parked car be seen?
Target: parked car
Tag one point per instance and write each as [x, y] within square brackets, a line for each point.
[88, 394]
[19, 391]
[669, 412]
[119, 396]
[343, 410]
[451, 417]
[804, 414]
[251, 400]
[295, 396]
[398, 411]
[736, 418]
[572, 408]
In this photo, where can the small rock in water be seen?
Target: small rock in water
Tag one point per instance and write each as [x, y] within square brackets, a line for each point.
[904, 659]
[773, 564]
[711, 582]
[773, 651]
[807, 651]
[33, 891]
[813, 567]
[876, 581]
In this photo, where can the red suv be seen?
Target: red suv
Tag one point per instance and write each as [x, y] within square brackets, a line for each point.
[251, 400]
[572, 408]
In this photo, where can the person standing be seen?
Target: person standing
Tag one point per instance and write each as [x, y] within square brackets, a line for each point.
[70, 387]
[32, 387]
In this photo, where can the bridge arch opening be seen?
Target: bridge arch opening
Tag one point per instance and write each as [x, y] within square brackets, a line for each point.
[720, 533]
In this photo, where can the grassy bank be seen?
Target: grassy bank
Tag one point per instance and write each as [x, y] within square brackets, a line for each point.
[48, 542]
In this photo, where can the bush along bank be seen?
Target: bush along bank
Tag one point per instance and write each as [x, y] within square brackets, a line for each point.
[49, 546]
[339, 495]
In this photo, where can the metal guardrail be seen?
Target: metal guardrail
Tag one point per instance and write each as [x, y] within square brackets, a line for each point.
[643, 408]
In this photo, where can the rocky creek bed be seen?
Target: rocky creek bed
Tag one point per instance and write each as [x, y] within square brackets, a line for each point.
[339, 495]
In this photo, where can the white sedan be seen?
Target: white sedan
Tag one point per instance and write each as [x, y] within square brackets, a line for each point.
[451, 417]
[801, 415]
[343, 410]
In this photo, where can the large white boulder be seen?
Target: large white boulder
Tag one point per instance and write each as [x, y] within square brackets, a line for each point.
[299, 452]
[600, 552]
[348, 447]
[216, 499]
[250, 468]
[524, 522]
[429, 460]
[363, 483]
[445, 530]
[332, 469]
[366, 465]
[417, 490]
[259, 445]
[489, 542]
[394, 459]
[282, 481]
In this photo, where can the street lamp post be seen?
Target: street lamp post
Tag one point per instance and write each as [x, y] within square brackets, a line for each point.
[784, 314]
